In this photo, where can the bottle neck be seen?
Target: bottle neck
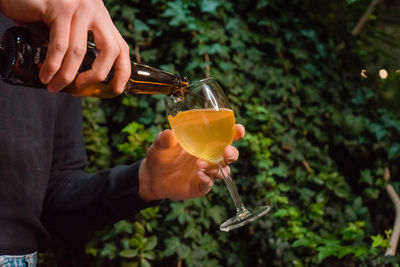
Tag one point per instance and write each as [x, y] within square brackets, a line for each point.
[148, 80]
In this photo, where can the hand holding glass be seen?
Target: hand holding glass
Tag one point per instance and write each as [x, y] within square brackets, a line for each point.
[203, 123]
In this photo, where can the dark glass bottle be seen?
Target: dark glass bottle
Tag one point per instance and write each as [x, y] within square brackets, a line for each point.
[23, 51]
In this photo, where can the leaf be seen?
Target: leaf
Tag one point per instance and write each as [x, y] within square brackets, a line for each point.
[138, 228]
[325, 252]
[150, 255]
[378, 130]
[177, 11]
[345, 250]
[379, 241]
[217, 213]
[302, 242]
[208, 243]
[150, 213]
[192, 231]
[361, 251]
[123, 227]
[144, 263]
[281, 213]
[174, 246]
[284, 187]
[109, 251]
[150, 243]
[183, 251]
[354, 231]
[136, 241]
[372, 193]
[388, 233]
[128, 253]
[331, 242]
[318, 208]
[366, 176]
[209, 6]
[140, 26]
[280, 171]
[393, 150]
[128, 12]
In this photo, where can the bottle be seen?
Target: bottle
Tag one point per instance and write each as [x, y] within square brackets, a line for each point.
[23, 50]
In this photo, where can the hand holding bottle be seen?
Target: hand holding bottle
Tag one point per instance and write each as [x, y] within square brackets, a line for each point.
[69, 22]
[168, 171]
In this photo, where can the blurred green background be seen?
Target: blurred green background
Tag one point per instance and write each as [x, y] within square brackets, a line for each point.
[321, 133]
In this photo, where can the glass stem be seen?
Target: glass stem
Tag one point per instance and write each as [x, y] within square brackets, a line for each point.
[240, 208]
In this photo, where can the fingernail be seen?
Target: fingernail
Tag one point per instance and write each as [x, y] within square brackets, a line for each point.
[45, 80]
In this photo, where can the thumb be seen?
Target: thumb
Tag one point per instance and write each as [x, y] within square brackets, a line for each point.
[165, 140]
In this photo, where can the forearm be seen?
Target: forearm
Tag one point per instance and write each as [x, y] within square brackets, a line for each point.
[79, 200]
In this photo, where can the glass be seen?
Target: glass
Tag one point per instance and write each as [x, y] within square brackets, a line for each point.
[203, 123]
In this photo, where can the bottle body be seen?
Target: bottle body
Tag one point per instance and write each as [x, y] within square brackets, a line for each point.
[143, 80]
[22, 53]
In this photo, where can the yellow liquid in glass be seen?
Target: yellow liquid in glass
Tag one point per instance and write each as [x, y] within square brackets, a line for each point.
[204, 133]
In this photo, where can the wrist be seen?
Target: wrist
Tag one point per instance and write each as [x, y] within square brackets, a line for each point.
[145, 187]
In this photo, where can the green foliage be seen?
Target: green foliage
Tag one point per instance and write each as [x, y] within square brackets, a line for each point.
[318, 138]
[95, 132]
[350, 243]
[139, 139]
[128, 243]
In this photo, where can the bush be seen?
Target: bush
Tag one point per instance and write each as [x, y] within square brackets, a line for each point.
[318, 137]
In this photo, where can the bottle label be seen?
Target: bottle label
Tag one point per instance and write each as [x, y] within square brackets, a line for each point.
[29, 54]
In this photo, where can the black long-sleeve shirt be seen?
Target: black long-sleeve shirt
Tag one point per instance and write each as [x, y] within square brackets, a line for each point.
[43, 187]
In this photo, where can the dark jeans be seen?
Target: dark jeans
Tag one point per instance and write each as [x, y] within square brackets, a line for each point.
[28, 260]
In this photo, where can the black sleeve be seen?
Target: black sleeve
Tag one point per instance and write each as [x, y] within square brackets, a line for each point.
[79, 200]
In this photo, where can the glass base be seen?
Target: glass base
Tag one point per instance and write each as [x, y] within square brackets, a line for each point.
[244, 218]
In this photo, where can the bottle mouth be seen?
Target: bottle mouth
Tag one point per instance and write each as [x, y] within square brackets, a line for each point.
[184, 81]
[8, 55]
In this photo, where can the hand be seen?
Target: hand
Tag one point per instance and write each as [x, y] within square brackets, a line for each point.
[168, 171]
[69, 22]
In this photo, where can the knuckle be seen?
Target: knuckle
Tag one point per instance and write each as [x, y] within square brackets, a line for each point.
[113, 51]
[125, 47]
[60, 47]
[67, 78]
[79, 51]
[84, 4]
[100, 76]
[67, 6]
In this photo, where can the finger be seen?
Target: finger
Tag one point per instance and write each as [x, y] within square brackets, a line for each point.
[58, 45]
[205, 182]
[231, 154]
[239, 131]
[108, 52]
[212, 169]
[74, 56]
[122, 66]
[165, 140]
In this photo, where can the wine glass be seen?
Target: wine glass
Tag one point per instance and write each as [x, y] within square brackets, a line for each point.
[203, 123]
